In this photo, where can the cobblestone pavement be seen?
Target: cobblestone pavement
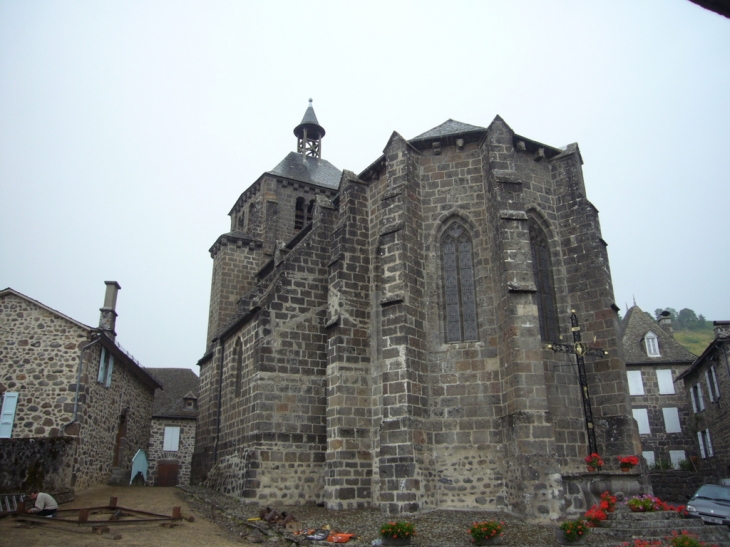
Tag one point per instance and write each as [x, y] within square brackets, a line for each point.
[441, 528]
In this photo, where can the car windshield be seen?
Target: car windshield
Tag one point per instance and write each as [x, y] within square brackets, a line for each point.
[713, 492]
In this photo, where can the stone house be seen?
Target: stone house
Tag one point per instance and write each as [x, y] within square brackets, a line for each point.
[172, 437]
[76, 406]
[707, 384]
[654, 362]
[382, 339]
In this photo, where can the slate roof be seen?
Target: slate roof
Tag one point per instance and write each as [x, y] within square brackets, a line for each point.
[308, 169]
[449, 127]
[310, 117]
[635, 326]
[177, 383]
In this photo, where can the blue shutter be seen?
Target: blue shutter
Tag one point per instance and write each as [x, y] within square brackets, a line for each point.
[7, 416]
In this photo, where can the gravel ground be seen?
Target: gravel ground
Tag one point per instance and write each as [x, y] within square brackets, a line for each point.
[443, 528]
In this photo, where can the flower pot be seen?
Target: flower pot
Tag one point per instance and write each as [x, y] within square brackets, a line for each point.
[626, 468]
[396, 542]
[494, 540]
[562, 540]
[591, 469]
[610, 510]
[636, 509]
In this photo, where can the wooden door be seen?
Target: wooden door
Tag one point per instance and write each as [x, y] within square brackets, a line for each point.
[167, 474]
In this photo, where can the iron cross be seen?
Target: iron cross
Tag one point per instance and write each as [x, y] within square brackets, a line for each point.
[580, 349]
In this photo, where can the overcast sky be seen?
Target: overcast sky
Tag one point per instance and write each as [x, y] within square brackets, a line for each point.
[129, 129]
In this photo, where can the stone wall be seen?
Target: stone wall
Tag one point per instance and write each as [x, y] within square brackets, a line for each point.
[676, 485]
[184, 453]
[659, 441]
[101, 410]
[43, 463]
[39, 359]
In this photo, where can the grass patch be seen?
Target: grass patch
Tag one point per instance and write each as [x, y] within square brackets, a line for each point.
[695, 341]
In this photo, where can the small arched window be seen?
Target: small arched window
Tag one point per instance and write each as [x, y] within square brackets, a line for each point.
[543, 273]
[458, 281]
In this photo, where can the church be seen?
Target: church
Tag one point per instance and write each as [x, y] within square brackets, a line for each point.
[383, 339]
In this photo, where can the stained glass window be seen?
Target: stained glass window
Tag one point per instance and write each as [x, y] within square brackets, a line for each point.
[542, 270]
[459, 288]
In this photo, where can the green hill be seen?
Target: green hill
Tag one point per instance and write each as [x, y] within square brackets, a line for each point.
[695, 341]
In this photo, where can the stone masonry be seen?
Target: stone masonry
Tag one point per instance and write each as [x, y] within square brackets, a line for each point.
[392, 352]
[39, 360]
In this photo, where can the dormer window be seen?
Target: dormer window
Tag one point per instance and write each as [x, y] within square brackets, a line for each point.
[190, 404]
[652, 344]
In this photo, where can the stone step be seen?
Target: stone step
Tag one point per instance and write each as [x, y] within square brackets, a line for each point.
[626, 526]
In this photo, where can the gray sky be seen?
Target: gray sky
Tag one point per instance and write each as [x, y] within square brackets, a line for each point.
[129, 129]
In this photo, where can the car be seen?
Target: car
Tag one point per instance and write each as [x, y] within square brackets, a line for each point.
[711, 503]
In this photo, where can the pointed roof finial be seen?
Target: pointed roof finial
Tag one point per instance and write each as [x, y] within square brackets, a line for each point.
[309, 134]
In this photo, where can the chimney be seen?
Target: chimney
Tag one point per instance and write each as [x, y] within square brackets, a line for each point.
[665, 322]
[721, 328]
[108, 318]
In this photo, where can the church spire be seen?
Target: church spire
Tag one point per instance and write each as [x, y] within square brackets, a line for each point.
[309, 134]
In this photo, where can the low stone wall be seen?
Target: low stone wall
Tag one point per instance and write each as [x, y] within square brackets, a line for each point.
[676, 485]
[44, 463]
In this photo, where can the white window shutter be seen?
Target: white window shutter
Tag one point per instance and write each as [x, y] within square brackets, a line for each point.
[102, 367]
[171, 442]
[710, 452]
[694, 401]
[709, 386]
[641, 415]
[636, 385]
[671, 420]
[676, 456]
[714, 377]
[701, 441]
[701, 398]
[7, 415]
[109, 371]
[664, 380]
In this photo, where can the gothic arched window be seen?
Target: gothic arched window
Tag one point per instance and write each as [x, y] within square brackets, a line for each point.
[542, 270]
[459, 289]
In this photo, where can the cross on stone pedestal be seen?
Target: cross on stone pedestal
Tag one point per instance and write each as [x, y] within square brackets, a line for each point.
[580, 349]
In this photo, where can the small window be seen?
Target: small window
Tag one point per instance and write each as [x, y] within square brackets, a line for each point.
[106, 366]
[641, 415]
[698, 402]
[636, 385]
[703, 437]
[671, 420]
[652, 344]
[676, 456]
[666, 384]
[172, 439]
[648, 455]
[189, 404]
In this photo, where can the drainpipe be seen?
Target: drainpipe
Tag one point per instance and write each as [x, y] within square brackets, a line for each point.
[78, 380]
[220, 402]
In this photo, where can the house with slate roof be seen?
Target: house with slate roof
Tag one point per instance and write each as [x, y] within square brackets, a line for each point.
[172, 437]
[76, 406]
[707, 384]
[384, 339]
[655, 362]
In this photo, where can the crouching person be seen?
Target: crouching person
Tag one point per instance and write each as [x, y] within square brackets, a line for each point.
[45, 505]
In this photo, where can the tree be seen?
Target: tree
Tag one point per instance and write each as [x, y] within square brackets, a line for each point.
[687, 319]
